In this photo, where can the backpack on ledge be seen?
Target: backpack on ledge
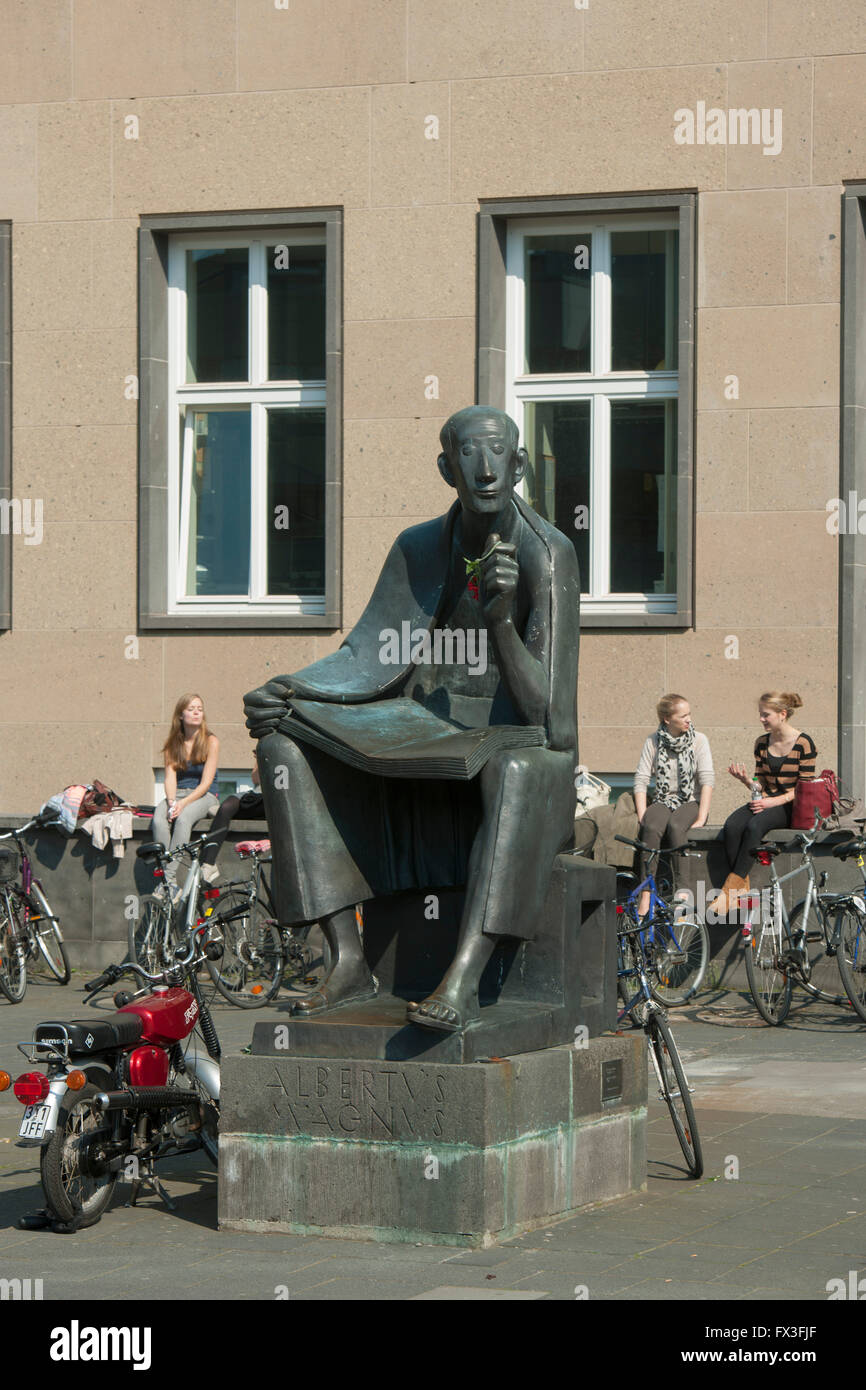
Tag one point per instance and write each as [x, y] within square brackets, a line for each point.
[97, 800]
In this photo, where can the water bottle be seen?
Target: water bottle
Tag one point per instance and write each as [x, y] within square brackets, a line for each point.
[757, 791]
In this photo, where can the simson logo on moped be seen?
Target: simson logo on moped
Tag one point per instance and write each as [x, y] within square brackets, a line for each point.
[122, 1093]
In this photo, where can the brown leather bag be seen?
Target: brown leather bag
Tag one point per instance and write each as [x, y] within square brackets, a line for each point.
[97, 800]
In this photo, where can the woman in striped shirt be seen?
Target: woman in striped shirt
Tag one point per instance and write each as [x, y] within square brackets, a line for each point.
[783, 757]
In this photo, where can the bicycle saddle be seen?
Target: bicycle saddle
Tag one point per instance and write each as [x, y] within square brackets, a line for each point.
[772, 850]
[151, 850]
[851, 847]
[244, 847]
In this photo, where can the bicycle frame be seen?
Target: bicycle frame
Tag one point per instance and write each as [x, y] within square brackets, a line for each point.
[656, 900]
[781, 920]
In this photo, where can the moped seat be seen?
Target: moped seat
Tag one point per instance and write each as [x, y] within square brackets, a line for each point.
[89, 1035]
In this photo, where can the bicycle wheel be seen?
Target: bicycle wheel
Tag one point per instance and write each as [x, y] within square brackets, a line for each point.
[852, 957]
[149, 936]
[820, 973]
[628, 982]
[13, 972]
[770, 987]
[74, 1181]
[674, 1091]
[679, 949]
[46, 929]
[250, 970]
[307, 958]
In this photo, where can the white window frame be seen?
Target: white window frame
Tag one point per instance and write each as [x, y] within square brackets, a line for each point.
[259, 393]
[599, 386]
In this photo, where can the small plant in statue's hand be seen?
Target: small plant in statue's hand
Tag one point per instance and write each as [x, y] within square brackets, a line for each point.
[473, 567]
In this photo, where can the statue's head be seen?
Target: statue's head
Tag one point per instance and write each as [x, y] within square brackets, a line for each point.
[481, 457]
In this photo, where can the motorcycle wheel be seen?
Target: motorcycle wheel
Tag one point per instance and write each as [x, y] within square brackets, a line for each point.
[72, 1190]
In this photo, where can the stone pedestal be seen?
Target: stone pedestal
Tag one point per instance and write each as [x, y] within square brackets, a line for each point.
[357, 1123]
[443, 1153]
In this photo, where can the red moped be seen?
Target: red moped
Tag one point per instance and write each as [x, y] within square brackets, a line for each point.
[121, 1093]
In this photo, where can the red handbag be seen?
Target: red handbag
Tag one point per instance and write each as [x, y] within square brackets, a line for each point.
[809, 797]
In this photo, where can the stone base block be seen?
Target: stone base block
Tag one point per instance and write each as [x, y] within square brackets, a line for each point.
[445, 1153]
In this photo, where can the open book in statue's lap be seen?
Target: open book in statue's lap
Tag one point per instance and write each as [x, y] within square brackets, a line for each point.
[436, 747]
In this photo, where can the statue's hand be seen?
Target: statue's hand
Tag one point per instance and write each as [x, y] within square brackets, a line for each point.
[499, 575]
[265, 707]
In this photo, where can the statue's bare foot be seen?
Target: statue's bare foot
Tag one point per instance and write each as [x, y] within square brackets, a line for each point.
[447, 1009]
[348, 983]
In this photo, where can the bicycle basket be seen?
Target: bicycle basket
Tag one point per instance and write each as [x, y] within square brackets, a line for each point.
[8, 864]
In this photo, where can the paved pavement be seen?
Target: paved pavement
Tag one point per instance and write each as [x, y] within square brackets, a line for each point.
[780, 1212]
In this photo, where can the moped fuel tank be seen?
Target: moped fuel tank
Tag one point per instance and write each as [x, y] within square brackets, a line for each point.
[166, 1017]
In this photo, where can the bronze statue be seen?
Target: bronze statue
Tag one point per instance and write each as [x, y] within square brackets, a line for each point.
[469, 642]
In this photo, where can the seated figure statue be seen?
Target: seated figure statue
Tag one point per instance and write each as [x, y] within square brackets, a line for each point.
[342, 835]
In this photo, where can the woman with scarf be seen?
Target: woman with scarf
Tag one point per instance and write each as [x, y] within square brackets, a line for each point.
[683, 767]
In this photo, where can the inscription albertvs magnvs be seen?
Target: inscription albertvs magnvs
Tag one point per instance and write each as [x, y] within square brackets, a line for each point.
[374, 1102]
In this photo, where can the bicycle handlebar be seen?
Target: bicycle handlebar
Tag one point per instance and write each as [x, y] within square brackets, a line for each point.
[42, 819]
[112, 973]
[674, 849]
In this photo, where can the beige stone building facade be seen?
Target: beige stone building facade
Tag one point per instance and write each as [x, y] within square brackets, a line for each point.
[255, 253]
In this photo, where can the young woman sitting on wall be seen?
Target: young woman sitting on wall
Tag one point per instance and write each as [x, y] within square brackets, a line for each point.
[191, 754]
[783, 756]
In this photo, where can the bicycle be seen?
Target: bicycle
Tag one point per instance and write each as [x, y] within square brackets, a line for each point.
[783, 949]
[245, 923]
[163, 925]
[676, 943]
[28, 926]
[851, 932]
[647, 1013]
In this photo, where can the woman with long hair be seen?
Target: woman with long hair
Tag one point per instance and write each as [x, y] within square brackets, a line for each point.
[191, 754]
[784, 756]
[682, 763]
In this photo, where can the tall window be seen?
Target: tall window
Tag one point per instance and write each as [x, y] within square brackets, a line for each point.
[592, 374]
[6, 511]
[247, 427]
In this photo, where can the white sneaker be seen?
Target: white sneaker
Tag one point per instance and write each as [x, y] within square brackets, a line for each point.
[210, 873]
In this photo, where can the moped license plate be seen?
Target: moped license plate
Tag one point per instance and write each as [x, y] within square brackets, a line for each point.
[34, 1122]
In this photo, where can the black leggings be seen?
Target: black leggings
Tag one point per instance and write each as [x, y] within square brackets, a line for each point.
[744, 831]
[250, 804]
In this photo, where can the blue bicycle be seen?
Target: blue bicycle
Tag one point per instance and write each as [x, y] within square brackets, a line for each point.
[646, 1013]
[676, 944]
